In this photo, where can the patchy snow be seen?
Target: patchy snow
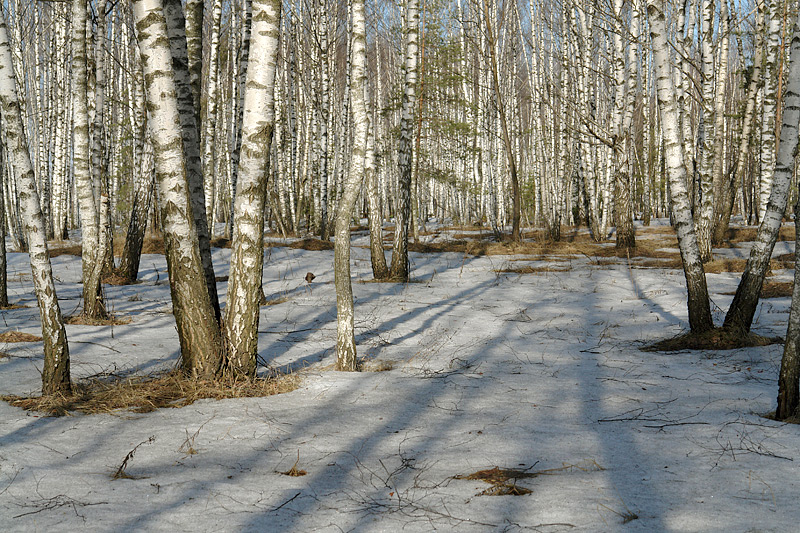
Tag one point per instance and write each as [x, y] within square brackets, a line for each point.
[540, 372]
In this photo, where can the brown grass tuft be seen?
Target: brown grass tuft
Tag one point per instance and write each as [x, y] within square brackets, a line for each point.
[536, 270]
[64, 249]
[776, 289]
[220, 242]
[143, 394]
[504, 480]
[153, 245]
[117, 279]
[735, 235]
[276, 301]
[715, 339]
[80, 320]
[312, 244]
[18, 336]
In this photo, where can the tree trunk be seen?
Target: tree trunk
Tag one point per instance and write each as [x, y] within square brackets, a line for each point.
[740, 314]
[176, 28]
[93, 305]
[699, 307]
[789, 377]
[198, 329]
[247, 255]
[55, 373]
[399, 268]
[345, 337]
[733, 184]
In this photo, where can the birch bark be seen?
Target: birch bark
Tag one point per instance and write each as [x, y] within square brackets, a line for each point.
[699, 307]
[198, 329]
[55, 373]
[345, 329]
[247, 255]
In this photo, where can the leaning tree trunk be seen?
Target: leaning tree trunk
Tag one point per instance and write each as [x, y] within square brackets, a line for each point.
[247, 254]
[399, 269]
[740, 314]
[198, 329]
[699, 307]
[93, 305]
[345, 337]
[55, 374]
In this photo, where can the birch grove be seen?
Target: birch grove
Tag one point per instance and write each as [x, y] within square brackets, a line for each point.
[215, 123]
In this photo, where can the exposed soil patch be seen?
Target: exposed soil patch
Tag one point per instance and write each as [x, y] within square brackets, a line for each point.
[18, 336]
[715, 339]
[144, 394]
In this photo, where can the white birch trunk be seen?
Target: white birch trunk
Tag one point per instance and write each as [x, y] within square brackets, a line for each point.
[247, 255]
[55, 373]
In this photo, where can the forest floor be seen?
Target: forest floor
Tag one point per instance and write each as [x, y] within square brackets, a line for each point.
[506, 390]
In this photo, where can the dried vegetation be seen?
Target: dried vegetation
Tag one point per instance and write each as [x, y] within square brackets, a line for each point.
[143, 394]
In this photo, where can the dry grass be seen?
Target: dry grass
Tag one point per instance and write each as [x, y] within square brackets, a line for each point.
[774, 289]
[503, 481]
[312, 244]
[777, 289]
[64, 248]
[117, 279]
[153, 245]
[276, 301]
[18, 336]
[220, 242]
[535, 270]
[143, 394]
[715, 339]
[80, 320]
[736, 235]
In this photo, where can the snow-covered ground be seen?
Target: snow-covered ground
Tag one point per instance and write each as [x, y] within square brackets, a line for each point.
[539, 372]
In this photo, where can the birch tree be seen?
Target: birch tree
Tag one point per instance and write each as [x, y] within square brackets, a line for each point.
[247, 255]
[93, 305]
[789, 377]
[198, 329]
[56, 372]
[345, 328]
[700, 319]
[399, 269]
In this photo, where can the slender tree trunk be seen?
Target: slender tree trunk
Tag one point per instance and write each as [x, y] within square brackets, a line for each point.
[198, 329]
[55, 373]
[699, 307]
[247, 255]
[345, 337]
[399, 268]
[93, 305]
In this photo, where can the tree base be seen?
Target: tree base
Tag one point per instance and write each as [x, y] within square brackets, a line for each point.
[714, 339]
